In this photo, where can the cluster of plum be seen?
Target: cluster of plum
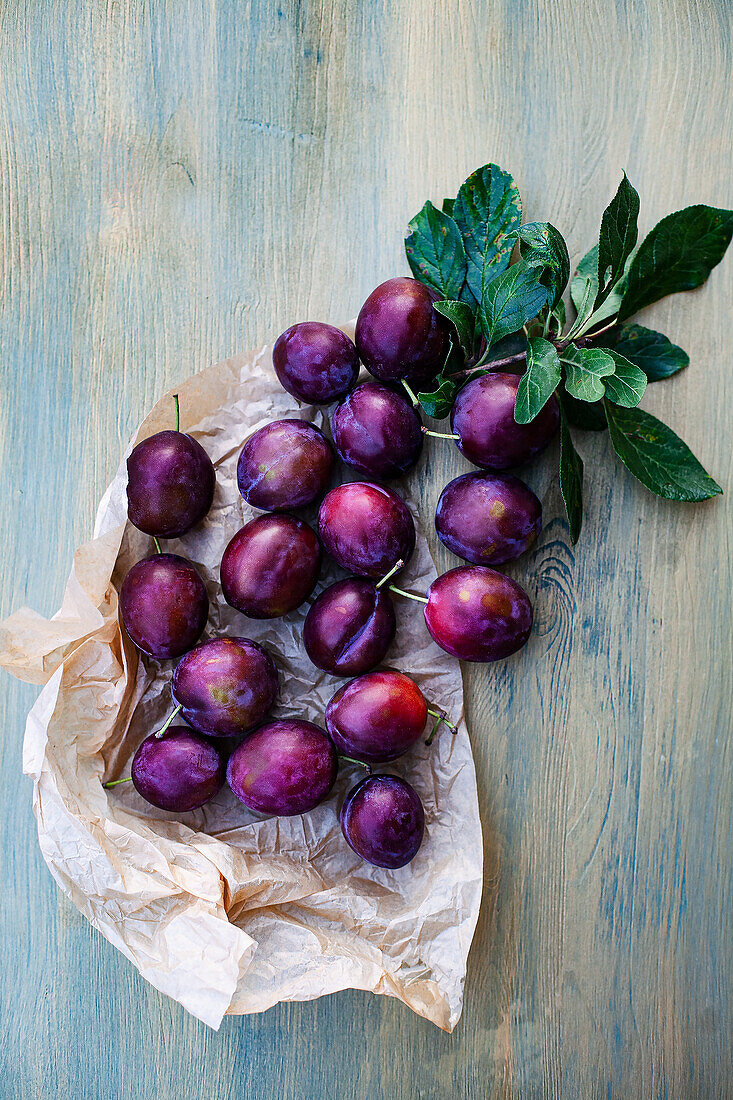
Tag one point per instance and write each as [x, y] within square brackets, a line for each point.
[227, 686]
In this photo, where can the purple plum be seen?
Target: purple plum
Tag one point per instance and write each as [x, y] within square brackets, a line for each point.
[489, 436]
[398, 333]
[170, 484]
[164, 605]
[285, 767]
[178, 771]
[377, 717]
[477, 614]
[286, 464]
[270, 566]
[226, 686]
[350, 627]
[488, 519]
[366, 528]
[314, 362]
[383, 820]
[377, 432]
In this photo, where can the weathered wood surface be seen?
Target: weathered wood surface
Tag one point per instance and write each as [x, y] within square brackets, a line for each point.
[180, 181]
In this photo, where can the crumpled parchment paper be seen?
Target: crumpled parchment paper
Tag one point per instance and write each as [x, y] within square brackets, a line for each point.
[222, 909]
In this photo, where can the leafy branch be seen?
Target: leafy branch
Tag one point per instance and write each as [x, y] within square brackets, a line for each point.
[598, 366]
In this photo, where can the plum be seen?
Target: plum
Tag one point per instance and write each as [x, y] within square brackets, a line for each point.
[178, 771]
[399, 336]
[270, 566]
[285, 767]
[383, 820]
[377, 717]
[164, 605]
[377, 432]
[314, 362]
[488, 518]
[226, 686]
[366, 528]
[285, 464]
[170, 483]
[477, 614]
[488, 434]
[350, 627]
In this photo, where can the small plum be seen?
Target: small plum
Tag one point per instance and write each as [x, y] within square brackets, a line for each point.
[399, 336]
[270, 566]
[285, 767]
[377, 717]
[478, 614]
[314, 362]
[285, 464]
[170, 484]
[164, 605]
[488, 519]
[350, 627]
[377, 432]
[226, 686]
[488, 434]
[366, 528]
[383, 820]
[179, 771]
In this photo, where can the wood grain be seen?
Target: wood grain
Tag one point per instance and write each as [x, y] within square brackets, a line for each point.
[181, 180]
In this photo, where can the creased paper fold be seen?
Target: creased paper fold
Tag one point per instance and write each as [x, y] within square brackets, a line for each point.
[220, 908]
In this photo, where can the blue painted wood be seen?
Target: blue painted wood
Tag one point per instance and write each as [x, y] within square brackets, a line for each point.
[181, 181]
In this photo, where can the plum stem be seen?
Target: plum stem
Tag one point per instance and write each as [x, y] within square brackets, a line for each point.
[397, 565]
[353, 760]
[434, 730]
[168, 721]
[440, 435]
[178, 412]
[411, 395]
[409, 595]
[439, 718]
[116, 782]
[491, 364]
[158, 547]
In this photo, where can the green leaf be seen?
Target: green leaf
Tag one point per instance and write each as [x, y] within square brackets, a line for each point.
[678, 254]
[657, 457]
[586, 275]
[542, 244]
[584, 291]
[599, 283]
[513, 344]
[617, 237]
[584, 369]
[539, 381]
[439, 402]
[435, 251]
[461, 316]
[581, 414]
[609, 308]
[583, 288]
[558, 314]
[571, 480]
[657, 356]
[487, 211]
[510, 300]
[627, 383]
[448, 205]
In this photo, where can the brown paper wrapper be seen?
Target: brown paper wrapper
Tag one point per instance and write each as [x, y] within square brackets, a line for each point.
[220, 908]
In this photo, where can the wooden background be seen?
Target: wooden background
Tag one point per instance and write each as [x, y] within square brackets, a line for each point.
[180, 180]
